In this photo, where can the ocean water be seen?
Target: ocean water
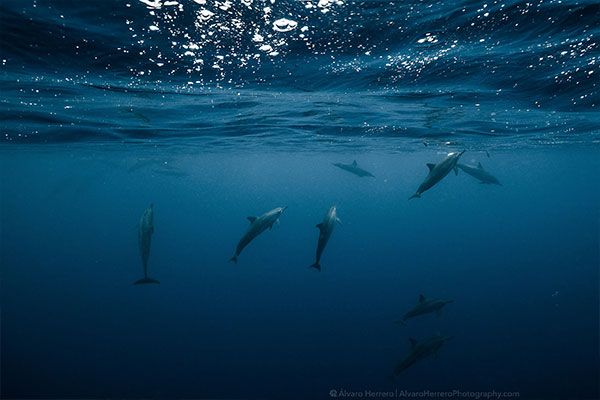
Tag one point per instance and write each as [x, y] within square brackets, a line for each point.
[214, 111]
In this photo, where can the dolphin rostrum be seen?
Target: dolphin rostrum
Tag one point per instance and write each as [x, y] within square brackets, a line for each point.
[354, 169]
[437, 172]
[257, 226]
[420, 350]
[325, 231]
[145, 231]
[425, 306]
[479, 173]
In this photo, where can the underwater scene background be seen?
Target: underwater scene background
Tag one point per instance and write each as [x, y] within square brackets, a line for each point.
[215, 111]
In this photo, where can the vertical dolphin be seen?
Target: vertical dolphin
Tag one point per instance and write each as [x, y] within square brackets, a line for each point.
[325, 231]
[437, 172]
[146, 229]
[257, 226]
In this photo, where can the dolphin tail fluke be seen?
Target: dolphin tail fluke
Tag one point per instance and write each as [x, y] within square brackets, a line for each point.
[316, 266]
[145, 281]
[415, 196]
[233, 259]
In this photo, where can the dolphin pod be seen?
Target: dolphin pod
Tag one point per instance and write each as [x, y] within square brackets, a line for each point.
[425, 306]
[257, 226]
[437, 172]
[421, 350]
[325, 231]
[479, 173]
[145, 231]
[354, 169]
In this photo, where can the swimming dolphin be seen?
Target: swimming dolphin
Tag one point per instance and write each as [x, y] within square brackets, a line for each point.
[354, 169]
[325, 231]
[479, 173]
[437, 172]
[257, 226]
[425, 306]
[420, 350]
[146, 229]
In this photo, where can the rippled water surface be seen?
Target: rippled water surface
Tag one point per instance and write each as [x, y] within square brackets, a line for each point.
[215, 111]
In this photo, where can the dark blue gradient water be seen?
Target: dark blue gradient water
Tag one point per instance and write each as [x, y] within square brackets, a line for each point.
[215, 111]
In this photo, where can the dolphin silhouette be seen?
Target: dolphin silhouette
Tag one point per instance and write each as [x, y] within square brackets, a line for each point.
[354, 169]
[325, 231]
[420, 350]
[257, 226]
[479, 173]
[425, 306]
[145, 231]
[437, 172]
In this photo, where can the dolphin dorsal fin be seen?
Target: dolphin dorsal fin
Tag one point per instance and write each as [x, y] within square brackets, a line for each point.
[479, 165]
[421, 298]
[252, 219]
[413, 342]
[354, 163]
[430, 166]
[320, 226]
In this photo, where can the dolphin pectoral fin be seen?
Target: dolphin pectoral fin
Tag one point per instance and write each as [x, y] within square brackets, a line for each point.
[144, 281]
[415, 196]
[438, 312]
[252, 219]
[479, 165]
[421, 298]
[455, 170]
[316, 266]
[339, 221]
[431, 166]
[276, 223]
[354, 164]
[413, 342]
[400, 322]
[319, 226]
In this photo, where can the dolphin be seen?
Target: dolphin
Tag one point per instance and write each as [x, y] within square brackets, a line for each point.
[257, 226]
[479, 173]
[420, 350]
[145, 231]
[425, 306]
[325, 231]
[437, 172]
[354, 169]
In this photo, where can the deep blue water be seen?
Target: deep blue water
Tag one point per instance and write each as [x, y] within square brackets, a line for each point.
[219, 110]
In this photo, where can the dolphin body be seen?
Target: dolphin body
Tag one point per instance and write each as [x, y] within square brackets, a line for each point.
[325, 231]
[437, 172]
[425, 306]
[145, 231]
[354, 169]
[257, 226]
[420, 350]
[479, 173]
